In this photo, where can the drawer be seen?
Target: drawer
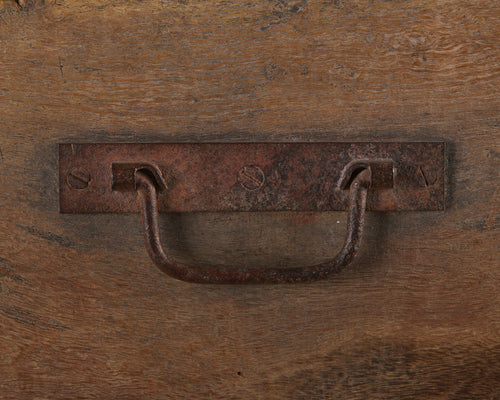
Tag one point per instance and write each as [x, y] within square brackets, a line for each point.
[84, 313]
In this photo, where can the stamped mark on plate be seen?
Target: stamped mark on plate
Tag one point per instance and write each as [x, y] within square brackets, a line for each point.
[251, 177]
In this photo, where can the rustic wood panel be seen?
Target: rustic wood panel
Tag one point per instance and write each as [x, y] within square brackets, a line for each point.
[84, 314]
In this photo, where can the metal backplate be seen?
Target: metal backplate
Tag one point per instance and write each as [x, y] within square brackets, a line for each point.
[246, 176]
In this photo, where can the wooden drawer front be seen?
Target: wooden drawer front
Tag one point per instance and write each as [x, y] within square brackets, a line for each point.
[85, 314]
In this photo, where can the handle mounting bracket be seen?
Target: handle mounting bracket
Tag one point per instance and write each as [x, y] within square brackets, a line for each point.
[251, 176]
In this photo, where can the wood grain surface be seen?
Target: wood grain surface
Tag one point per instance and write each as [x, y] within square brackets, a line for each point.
[83, 312]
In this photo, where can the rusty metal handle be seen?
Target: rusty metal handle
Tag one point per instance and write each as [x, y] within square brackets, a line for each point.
[145, 185]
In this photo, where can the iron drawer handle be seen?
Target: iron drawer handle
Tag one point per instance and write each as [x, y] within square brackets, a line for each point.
[360, 181]
[110, 178]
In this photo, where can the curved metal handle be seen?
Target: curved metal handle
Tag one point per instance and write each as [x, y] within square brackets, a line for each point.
[146, 188]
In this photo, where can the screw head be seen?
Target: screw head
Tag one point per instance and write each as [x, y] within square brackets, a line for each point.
[78, 178]
[251, 177]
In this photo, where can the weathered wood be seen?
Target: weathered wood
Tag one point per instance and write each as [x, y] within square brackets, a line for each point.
[85, 314]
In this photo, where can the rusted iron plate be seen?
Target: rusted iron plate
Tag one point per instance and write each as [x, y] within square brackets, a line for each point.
[97, 178]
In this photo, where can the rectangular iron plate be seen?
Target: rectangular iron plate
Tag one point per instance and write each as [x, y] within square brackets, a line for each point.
[248, 176]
